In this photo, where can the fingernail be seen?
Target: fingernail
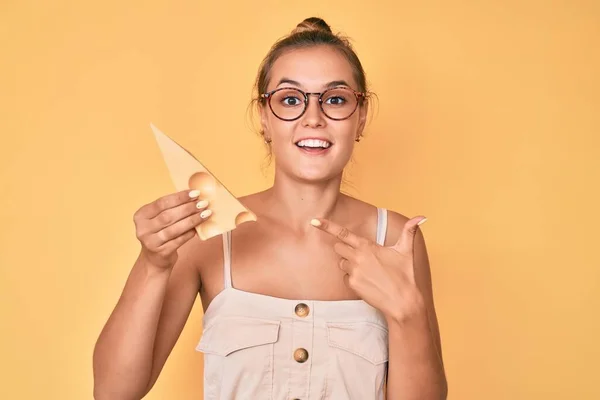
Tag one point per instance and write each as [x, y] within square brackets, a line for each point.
[194, 193]
[205, 214]
[202, 204]
[315, 222]
[422, 221]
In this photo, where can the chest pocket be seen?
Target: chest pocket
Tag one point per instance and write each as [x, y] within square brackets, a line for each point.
[359, 353]
[238, 356]
[366, 340]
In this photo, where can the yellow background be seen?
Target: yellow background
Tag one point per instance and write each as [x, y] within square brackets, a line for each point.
[488, 123]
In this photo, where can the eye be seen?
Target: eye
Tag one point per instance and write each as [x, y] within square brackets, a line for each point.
[291, 101]
[335, 100]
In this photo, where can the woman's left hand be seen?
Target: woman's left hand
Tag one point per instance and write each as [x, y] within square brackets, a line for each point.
[382, 276]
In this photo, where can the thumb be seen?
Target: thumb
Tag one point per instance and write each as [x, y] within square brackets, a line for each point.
[407, 237]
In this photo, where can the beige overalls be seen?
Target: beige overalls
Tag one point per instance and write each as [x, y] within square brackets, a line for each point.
[259, 347]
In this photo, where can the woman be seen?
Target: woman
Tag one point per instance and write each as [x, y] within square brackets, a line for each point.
[322, 297]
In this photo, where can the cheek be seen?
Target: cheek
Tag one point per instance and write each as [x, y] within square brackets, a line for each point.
[346, 131]
[279, 128]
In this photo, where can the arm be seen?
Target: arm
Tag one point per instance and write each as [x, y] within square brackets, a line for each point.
[396, 280]
[143, 328]
[415, 369]
[156, 301]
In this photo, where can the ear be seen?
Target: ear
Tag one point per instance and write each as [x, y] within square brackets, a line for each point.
[363, 111]
[263, 118]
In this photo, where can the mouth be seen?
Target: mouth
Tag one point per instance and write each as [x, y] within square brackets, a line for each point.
[314, 146]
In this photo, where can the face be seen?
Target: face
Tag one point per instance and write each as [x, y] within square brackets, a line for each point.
[313, 147]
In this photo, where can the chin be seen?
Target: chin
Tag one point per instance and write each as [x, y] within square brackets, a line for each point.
[316, 176]
[312, 169]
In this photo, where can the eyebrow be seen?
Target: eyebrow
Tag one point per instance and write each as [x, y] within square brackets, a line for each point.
[288, 81]
[337, 83]
[327, 86]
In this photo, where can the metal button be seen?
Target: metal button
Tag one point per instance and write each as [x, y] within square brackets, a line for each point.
[301, 355]
[302, 310]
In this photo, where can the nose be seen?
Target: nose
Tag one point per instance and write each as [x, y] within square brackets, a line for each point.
[313, 116]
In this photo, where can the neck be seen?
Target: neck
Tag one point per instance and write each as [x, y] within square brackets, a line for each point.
[297, 202]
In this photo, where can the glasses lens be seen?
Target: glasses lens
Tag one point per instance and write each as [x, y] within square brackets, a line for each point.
[287, 103]
[339, 103]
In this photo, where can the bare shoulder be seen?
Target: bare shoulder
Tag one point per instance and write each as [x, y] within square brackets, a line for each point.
[396, 222]
[367, 214]
[205, 256]
[191, 255]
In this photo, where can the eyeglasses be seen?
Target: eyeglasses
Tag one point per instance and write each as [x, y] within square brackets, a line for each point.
[289, 104]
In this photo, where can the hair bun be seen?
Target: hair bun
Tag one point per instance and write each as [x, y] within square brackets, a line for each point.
[312, 24]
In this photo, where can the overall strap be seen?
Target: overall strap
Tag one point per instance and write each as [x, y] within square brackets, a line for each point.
[381, 225]
[227, 259]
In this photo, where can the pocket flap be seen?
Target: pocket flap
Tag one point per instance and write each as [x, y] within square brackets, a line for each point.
[365, 339]
[229, 334]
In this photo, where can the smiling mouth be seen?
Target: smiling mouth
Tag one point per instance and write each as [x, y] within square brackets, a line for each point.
[314, 145]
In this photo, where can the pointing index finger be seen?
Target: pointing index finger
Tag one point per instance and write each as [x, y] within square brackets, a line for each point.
[336, 230]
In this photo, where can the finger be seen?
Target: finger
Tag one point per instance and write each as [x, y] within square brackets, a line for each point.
[406, 241]
[345, 251]
[345, 265]
[338, 231]
[347, 280]
[177, 242]
[172, 215]
[179, 228]
[151, 210]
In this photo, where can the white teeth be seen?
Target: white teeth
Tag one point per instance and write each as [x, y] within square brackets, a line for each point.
[314, 143]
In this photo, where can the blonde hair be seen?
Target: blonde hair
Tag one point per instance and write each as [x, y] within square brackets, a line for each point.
[308, 33]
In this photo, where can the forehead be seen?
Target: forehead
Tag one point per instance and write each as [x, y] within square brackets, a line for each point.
[312, 67]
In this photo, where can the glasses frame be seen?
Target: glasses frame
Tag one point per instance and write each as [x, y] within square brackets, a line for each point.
[269, 95]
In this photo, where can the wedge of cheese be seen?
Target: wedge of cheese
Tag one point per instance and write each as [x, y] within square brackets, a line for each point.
[188, 173]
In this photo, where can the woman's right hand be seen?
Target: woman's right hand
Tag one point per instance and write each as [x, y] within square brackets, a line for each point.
[164, 225]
